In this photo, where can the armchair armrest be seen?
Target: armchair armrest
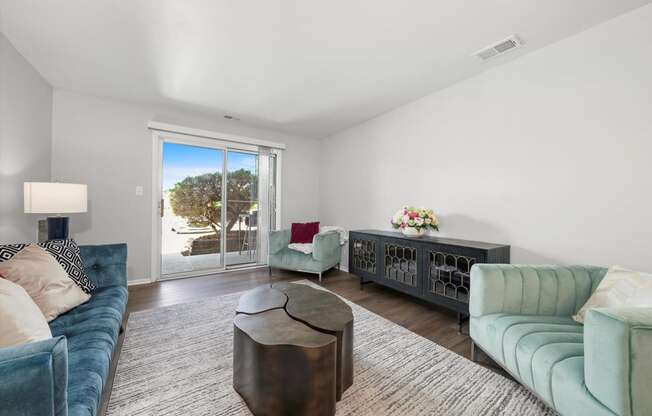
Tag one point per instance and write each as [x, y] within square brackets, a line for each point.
[106, 264]
[326, 247]
[531, 290]
[278, 240]
[34, 378]
[618, 358]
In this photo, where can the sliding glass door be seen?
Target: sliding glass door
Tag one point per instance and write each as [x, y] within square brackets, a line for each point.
[212, 215]
[242, 208]
[191, 214]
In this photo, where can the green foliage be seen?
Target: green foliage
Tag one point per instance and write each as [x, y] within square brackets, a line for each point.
[198, 199]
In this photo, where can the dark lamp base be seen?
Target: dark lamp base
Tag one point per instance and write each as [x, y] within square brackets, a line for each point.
[57, 228]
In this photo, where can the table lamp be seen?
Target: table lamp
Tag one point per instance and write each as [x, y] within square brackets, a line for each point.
[55, 198]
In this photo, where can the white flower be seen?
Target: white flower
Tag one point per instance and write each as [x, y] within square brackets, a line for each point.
[417, 217]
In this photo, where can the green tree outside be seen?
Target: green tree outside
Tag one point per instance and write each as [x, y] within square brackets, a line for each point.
[198, 199]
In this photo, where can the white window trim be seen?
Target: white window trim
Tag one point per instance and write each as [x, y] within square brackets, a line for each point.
[190, 131]
[179, 133]
[279, 185]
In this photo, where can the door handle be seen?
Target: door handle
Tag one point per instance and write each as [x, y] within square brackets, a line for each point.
[162, 205]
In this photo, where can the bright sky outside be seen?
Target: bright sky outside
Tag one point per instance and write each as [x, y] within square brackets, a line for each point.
[181, 161]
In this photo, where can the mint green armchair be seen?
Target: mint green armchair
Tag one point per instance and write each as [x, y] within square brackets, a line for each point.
[521, 317]
[326, 253]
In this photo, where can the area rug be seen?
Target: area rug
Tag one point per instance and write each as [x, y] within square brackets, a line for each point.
[177, 360]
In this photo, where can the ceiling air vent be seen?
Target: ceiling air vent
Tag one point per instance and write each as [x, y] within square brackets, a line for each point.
[499, 48]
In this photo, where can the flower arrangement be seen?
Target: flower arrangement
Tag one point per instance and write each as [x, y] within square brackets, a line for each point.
[415, 221]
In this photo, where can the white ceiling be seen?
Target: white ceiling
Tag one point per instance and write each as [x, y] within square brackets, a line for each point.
[300, 66]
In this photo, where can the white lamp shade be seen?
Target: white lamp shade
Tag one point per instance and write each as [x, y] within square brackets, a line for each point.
[55, 198]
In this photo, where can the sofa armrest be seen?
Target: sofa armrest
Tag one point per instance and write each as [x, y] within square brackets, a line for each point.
[278, 240]
[531, 290]
[618, 358]
[34, 378]
[106, 264]
[326, 247]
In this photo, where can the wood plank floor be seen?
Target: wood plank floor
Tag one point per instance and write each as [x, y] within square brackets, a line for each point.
[431, 322]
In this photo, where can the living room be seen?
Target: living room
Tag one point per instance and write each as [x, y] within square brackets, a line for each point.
[361, 208]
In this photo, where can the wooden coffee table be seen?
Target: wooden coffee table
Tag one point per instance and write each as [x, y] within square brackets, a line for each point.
[293, 350]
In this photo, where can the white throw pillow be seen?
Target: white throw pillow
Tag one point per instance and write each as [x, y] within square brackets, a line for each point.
[619, 287]
[44, 280]
[20, 319]
[305, 248]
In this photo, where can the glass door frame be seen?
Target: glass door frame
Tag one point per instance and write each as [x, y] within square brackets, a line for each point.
[225, 193]
[161, 137]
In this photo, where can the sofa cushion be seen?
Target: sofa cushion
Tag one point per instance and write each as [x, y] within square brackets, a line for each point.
[532, 354]
[109, 302]
[517, 333]
[294, 260]
[532, 347]
[496, 331]
[544, 362]
[92, 331]
[569, 393]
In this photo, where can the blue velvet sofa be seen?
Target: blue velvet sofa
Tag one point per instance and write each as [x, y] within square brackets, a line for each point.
[65, 375]
[521, 317]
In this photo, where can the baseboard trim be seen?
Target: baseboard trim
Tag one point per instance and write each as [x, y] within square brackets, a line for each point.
[137, 282]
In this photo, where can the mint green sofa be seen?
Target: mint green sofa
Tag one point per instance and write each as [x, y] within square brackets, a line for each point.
[521, 318]
[326, 253]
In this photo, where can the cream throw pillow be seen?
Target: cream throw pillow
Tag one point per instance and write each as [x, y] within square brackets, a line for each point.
[44, 280]
[619, 287]
[20, 319]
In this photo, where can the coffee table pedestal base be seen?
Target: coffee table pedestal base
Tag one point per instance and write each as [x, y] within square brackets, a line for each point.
[284, 380]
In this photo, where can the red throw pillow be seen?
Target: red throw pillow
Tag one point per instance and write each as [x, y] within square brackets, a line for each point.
[303, 233]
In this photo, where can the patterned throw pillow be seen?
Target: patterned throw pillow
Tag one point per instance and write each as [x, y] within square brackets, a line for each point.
[620, 287]
[7, 251]
[66, 252]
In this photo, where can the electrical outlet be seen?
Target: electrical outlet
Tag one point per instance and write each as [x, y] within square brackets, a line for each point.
[139, 190]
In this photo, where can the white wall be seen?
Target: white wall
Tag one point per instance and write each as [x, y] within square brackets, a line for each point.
[551, 153]
[105, 144]
[25, 134]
